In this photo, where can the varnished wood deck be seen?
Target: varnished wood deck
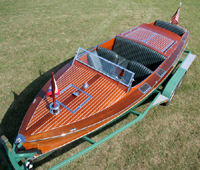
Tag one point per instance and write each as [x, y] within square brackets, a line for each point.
[103, 94]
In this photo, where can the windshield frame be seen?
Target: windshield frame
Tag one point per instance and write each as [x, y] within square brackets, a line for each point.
[129, 84]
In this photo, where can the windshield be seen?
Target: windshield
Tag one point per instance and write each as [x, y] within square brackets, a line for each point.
[106, 67]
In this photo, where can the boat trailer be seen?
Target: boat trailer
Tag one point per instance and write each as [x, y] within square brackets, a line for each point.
[162, 96]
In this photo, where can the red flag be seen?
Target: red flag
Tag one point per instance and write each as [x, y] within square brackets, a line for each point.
[175, 17]
[49, 91]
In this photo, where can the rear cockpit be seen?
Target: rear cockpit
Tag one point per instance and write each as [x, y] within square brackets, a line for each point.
[134, 55]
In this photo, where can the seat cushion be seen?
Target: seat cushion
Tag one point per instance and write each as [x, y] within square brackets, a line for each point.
[173, 28]
[107, 54]
[134, 51]
[140, 70]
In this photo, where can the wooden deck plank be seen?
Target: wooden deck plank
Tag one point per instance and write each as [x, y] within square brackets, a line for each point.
[101, 89]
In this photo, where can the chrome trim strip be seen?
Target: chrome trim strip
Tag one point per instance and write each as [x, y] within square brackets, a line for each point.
[74, 111]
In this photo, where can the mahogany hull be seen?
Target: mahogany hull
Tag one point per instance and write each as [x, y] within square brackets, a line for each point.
[46, 132]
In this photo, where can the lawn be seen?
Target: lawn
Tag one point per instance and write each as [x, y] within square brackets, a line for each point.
[38, 37]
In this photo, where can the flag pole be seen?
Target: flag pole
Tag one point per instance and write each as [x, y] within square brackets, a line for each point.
[53, 90]
[175, 17]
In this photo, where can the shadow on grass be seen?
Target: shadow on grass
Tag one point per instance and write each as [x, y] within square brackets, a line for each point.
[12, 119]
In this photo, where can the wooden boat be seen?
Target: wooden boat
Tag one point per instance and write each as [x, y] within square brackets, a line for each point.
[101, 84]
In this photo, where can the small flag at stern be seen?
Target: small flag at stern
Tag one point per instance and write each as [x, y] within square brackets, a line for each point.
[175, 17]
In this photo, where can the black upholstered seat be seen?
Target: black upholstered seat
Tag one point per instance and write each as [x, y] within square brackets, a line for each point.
[173, 28]
[134, 51]
[107, 54]
[141, 72]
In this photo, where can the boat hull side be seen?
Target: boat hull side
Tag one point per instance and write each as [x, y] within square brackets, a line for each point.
[132, 99]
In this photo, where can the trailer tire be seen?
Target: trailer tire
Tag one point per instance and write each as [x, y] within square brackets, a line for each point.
[173, 93]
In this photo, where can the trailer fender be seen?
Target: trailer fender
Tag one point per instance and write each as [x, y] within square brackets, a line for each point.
[176, 80]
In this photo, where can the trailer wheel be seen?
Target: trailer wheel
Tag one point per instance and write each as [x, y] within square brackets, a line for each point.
[173, 93]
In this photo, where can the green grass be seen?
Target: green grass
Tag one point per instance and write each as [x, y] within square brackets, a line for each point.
[38, 37]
